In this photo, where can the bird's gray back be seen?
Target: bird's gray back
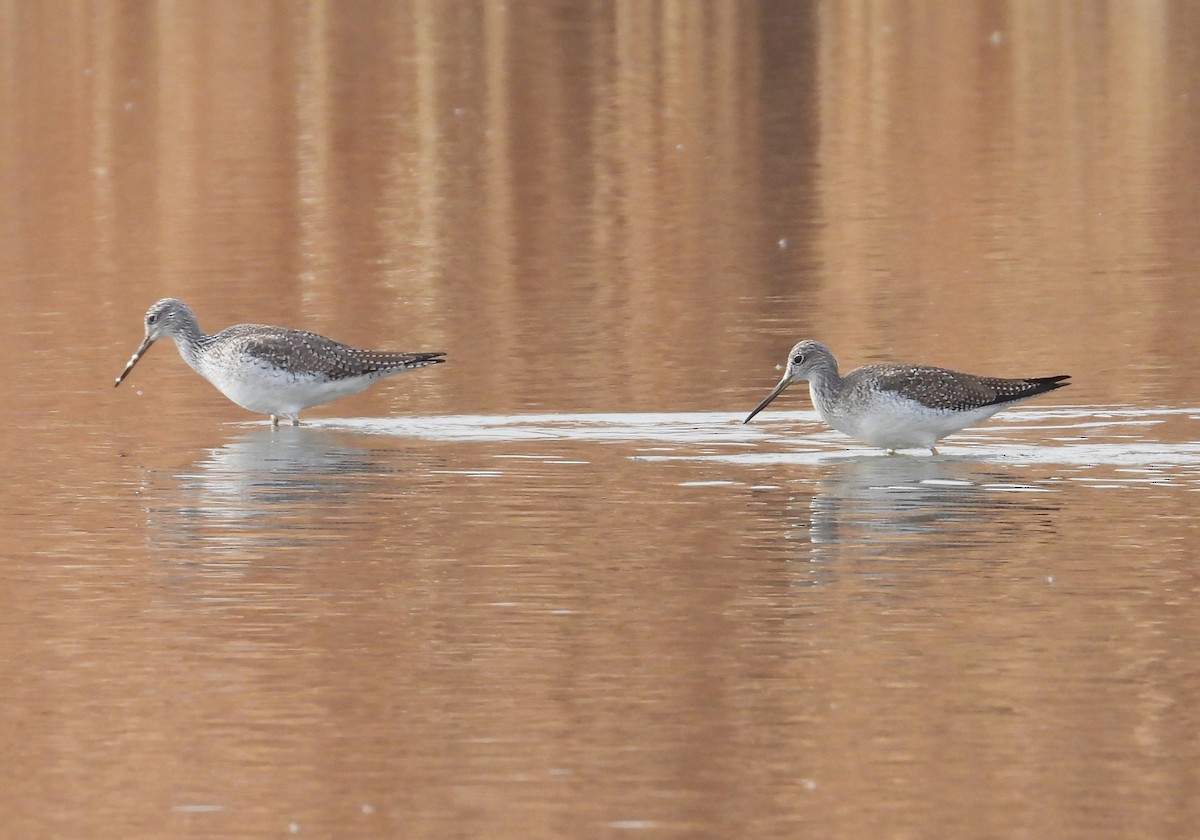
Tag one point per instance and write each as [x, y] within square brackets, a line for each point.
[944, 389]
[303, 352]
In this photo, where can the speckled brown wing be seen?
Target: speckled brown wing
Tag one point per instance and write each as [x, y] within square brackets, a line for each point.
[952, 390]
[299, 351]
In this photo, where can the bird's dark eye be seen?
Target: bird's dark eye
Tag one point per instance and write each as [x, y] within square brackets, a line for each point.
[152, 318]
[798, 359]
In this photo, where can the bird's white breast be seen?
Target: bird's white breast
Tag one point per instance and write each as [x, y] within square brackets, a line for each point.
[260, 387]
[890, 421]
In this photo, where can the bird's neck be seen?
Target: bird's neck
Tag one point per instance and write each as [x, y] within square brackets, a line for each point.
[190, 341]
[824, 385]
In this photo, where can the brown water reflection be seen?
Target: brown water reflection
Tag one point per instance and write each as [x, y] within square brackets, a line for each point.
[461, 618]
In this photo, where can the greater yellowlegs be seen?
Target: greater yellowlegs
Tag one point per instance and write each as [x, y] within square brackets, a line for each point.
[899, 406]
[272, 370]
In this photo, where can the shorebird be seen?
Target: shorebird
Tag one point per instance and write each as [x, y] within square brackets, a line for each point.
[901, 406]
[272, 370]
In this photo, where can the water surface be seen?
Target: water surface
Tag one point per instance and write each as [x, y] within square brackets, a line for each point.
[555, 587]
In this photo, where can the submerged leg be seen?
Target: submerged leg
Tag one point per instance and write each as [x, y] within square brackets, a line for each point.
[933, 450]
[274, 420]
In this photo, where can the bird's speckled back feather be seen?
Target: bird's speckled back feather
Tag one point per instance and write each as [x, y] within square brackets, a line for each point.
[300, 351]
[949, 390]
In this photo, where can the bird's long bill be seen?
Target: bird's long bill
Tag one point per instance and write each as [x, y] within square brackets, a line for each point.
[783, 383]
[134, 360]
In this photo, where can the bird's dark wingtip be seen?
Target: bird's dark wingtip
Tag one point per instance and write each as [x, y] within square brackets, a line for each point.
[1046, 384]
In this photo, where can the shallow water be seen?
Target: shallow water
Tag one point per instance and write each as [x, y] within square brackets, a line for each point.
[556, 587]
